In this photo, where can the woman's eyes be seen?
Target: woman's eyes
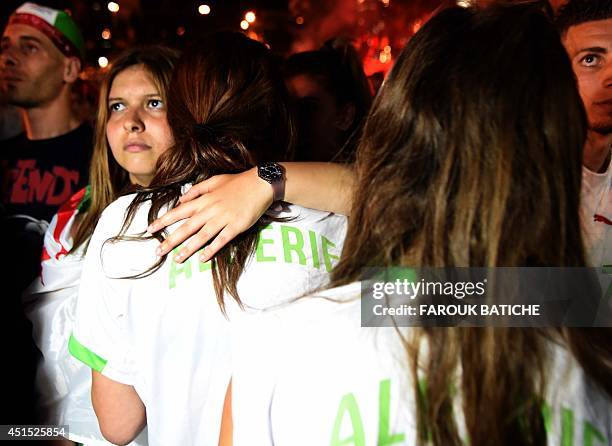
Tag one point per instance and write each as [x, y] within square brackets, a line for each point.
[156, 104]
[115, 107]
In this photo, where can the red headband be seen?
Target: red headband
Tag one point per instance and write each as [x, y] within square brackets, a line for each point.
[59, 40]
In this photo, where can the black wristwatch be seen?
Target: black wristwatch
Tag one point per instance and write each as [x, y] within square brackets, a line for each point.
[274, 174]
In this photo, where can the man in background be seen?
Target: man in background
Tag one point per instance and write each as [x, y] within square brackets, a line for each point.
[41, 168]
[586, 31]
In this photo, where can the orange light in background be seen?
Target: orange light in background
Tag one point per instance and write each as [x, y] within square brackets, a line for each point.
[384, 57]
[299, 20]
[113, 7]
[204, 9]
[103, 62]
[250, 16]
[416, 26]
[106, 34]
[244, 25]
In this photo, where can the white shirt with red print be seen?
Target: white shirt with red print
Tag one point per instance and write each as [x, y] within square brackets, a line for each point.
[597, 215]
[63, 384]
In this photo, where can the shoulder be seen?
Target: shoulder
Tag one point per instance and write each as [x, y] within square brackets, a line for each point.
[327, 223]
[83, 133]
[129, 255]
[300, 213]
[14, 140]
[119, 207]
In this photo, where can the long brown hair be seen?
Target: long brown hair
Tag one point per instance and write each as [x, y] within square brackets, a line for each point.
[471, 156]
[107, 178]
[227, 109]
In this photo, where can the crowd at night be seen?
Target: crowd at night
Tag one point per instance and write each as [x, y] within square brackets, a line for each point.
[306, 222]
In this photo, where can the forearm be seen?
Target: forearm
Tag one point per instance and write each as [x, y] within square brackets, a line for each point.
[120, 411]
[324, 186]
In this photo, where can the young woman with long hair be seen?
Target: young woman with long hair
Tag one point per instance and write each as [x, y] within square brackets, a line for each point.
[154, 331]
[132, 102]
[470, 156]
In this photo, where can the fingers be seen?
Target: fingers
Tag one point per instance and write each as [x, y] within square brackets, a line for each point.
[201, 188]
[180, 212]
[207, 232]
[222, 239]
[190, 227]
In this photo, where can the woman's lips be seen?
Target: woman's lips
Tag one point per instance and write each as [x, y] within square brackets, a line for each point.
[136, 147]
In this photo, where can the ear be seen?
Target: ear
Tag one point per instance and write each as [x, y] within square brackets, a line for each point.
[72, 68]
[347, 116]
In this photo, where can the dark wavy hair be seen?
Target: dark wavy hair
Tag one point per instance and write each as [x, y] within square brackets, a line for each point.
[228, 111]
[575, 12]
[471, 156]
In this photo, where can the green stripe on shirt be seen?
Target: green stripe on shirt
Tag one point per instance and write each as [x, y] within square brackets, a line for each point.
[83, 354]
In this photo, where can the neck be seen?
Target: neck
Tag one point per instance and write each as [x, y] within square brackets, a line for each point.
[597, 151]
[51, 119]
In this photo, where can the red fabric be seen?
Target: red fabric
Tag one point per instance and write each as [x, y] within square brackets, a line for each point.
[58, 39]
[63, 217]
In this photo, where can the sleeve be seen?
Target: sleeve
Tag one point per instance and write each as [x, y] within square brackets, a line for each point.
[100, 335]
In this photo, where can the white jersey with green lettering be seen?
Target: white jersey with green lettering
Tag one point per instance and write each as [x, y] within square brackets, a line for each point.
[165, 335]
[309, 374]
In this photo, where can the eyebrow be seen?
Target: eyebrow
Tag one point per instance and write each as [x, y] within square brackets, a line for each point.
[593, 49]
[150, 95]
[30, 39]
[23, 38]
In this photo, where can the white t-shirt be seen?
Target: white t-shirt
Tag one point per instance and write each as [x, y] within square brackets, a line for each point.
[165, 334]
[597, 215]
[309, 374]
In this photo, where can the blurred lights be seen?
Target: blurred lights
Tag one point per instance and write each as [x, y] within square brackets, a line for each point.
[387, 49]
[464, 3]
[253, 35]
[180, 31]
[204, 9]
[299, 20]
[384, 57]
[106, 34]
[250, 17]
[103, 62]
[385, 3]
[244, 25]
[113, 7]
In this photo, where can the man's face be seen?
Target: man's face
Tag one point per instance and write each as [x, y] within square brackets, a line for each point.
[31, 67]
[589, 46]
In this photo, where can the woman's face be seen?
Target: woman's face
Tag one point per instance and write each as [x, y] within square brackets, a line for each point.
[137, 129]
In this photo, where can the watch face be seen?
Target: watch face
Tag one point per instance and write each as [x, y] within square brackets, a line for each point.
[271, 172]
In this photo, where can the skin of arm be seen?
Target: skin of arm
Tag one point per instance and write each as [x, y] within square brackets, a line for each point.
[120, 411]
[224, 206]
[227, 426]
